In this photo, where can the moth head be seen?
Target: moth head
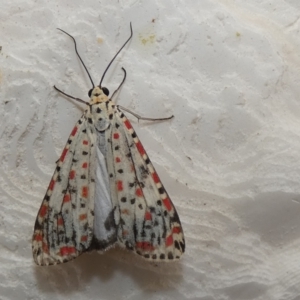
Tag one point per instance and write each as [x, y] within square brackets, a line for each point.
[98, 92]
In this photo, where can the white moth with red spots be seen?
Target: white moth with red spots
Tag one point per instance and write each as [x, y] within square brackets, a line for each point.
[105, 191]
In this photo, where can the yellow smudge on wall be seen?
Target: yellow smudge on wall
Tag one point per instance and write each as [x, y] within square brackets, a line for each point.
[147, 39]
[99, 40]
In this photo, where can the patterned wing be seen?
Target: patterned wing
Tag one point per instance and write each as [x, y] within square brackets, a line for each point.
[148, 222]
[64, 224]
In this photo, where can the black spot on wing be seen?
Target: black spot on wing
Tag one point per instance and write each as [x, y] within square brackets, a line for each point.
[182, 244]
[177, 245]
[161, 190]
[37, 225]
[144, 172]
[142, 185]
[175, 218]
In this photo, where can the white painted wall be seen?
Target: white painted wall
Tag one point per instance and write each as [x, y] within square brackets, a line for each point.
[230, 159]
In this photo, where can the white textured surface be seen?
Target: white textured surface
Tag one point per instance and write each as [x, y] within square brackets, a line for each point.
[230, 159]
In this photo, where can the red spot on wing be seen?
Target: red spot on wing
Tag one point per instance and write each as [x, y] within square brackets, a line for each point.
[51, 185]
[85, 192]
[139, 192]
[67, 198]
[118, 159]
[45, 248]
[64, 251]
[74, 131]
[125, 211]
[82, 217]
[84, 238]
[127, 124]
[84, 165]
[155, 177]
[72, 174]
[125, 232]
[148, 216]
[120, 185]
[169, 240]
[140, 148]
[116, 136]
[63, 155]
[146, 246]
[60, 221]
[176, 230]
[38, 238]
[85, 142]
[167, 204]
[43, 210]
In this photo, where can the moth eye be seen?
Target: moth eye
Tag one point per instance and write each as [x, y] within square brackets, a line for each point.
[105, 91]
[90, 92]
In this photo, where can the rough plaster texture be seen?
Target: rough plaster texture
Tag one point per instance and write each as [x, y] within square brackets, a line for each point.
[229, 72]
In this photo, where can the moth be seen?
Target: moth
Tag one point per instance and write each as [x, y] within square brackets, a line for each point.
[105, 190]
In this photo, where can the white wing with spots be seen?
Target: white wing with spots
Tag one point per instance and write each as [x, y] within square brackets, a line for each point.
[64, 224]
[146, 219]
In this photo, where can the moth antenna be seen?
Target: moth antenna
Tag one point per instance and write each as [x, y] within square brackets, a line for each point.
[131, 33]
[78, 55]
[120, 84]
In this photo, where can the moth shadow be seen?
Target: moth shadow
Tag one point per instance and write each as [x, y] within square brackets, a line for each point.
[112, 266]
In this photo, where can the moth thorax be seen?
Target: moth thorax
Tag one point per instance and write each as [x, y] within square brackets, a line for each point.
[100, 116]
